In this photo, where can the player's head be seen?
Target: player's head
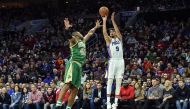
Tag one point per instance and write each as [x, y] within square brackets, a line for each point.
[112, 32]
[77, 35]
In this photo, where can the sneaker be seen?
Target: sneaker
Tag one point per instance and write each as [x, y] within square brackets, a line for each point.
[58, 104]
[114, 106]
[109, 105]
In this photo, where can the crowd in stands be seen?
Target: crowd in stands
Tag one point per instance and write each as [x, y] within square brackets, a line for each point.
[157, 60]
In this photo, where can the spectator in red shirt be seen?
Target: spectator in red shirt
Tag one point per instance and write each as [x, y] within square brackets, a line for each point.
[127, 94]
[169, 70]
[147, 65]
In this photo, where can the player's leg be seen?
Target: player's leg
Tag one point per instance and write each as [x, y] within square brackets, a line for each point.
[109, 83]
[109, 89]
[119, 76]
[117, 91]
[63, 91]
[72, 96]
[75, 83]
[67, 80]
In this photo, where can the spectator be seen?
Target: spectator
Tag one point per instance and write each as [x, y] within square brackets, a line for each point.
[25, 78]
[87, 69]
[53, 86]
[135, 71]
[147, 65]
[49, 98]
[98, 74]
[35, 97]
[139, 96]
[99, 97]
[17, 79]
[182, 95]
[57, 81]
[127, 94]
[155, 94]
[25, 98]
[48, 79]
[15, 98]
[145, 89]
[87, 96]
[168, 95]
[5, 99]
[10, 90]
[181, 70]
[169, 71]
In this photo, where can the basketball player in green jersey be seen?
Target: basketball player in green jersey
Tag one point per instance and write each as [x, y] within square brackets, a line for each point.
[73, 70]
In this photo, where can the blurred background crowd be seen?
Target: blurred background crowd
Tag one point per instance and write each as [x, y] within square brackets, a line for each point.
[156, 52]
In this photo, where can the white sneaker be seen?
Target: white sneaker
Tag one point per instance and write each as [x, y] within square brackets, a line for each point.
[114, 106]
[109, 105]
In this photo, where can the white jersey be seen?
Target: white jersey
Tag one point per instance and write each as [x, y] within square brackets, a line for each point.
[115, 49]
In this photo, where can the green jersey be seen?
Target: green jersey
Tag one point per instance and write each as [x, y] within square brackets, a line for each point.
[78, 52]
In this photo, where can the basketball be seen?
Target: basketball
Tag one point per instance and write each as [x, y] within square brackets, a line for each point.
[104, 11]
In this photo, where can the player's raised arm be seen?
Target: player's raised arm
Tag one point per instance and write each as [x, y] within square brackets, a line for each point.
[91, 32]
[115, 26]
[106, 36]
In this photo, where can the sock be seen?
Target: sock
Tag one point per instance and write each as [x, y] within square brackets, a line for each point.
[68, 107]
[116, 101]
[59, 103]
[108, 99]
[109, 88]
[117, 90]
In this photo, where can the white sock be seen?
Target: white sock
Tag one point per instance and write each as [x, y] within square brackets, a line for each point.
[68, 107]
[117, 90]
[116, 101]
[108, 99]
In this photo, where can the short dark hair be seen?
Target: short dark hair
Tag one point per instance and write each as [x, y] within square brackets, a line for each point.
[156, 78]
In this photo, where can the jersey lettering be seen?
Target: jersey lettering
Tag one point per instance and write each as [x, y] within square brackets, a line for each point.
[115, 42]
[115, 49]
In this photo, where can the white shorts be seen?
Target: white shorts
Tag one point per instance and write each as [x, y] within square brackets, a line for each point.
[116, 68]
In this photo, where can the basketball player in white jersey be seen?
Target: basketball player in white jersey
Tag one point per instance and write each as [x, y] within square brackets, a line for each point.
[116, 61]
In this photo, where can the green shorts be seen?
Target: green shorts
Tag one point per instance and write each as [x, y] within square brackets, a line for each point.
[73, 73]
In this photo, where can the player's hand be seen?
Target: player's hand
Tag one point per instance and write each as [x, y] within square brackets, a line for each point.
[104, 18]
[113, 16]
[98, 24]
[67, 23]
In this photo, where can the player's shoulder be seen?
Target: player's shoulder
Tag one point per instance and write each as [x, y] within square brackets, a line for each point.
[120, 38]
